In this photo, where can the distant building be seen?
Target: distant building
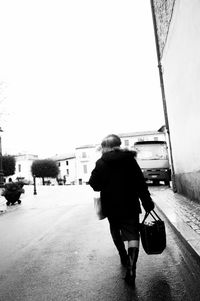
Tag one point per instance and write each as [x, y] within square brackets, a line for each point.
[23, 167]
[67, 167]
[76, 167]
[128, 139]
[87, 155]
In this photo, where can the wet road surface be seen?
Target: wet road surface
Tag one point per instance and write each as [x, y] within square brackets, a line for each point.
[52, 247]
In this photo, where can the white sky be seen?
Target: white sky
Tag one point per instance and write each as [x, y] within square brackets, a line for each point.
[73, 71]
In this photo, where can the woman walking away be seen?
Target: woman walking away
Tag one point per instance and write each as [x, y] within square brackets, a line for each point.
[120, 181]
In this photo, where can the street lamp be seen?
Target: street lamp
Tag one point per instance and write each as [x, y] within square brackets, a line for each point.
[1, 163]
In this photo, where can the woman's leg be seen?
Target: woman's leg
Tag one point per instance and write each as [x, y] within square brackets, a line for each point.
[116, 236]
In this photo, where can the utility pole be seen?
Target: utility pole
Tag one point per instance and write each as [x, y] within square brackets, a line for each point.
[163, 94]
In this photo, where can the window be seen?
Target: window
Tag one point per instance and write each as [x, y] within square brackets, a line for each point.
[19, 167]
[59, 164]
[84, 155]
[126, 142]
[152, 152]
[67, 163]
[67, 172]
[85, 168]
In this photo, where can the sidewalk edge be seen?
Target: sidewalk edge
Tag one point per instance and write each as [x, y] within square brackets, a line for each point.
[188, 243]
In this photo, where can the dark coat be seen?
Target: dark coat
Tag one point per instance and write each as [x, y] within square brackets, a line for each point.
[120, 181]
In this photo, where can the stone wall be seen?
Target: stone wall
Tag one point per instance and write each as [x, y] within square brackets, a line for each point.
[163, 12]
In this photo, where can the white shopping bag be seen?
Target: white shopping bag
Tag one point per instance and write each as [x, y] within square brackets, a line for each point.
[98, 206]
[3, 206]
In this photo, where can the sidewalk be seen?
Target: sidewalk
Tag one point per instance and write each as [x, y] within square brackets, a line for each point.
[182, 213]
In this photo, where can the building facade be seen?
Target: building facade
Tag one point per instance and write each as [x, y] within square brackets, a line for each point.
[23, 167]
[76, 168]
[178, 30]
[129, 139]
[86, 157]
[67, 169]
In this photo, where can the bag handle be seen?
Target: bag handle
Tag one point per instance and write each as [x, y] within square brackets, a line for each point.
[151, 213]
[155, 215]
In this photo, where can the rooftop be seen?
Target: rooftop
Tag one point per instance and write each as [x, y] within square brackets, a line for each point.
[87, 146]
[133, 134]
[63, 157]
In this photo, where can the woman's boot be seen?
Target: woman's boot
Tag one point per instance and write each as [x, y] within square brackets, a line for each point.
[131, 270]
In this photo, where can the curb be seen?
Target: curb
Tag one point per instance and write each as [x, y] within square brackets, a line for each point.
[184, 232]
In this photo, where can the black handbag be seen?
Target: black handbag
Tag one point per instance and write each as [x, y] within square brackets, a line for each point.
[153, 234]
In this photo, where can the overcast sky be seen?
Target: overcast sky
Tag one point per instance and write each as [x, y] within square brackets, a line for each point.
[73, 71]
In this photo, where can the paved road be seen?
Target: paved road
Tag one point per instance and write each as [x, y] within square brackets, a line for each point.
[52, 247]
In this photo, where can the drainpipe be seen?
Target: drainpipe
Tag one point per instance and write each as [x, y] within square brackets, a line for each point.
[163, 94]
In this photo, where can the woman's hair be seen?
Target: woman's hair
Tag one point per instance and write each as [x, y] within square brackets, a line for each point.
[111, 141]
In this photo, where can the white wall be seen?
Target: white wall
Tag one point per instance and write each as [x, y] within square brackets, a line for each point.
[181, 71]
[25, 172]
[181, 65]
[71, 167]
[92, 154]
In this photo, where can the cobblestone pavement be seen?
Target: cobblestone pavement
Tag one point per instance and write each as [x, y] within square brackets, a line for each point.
[186, 209]
[182, 212]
